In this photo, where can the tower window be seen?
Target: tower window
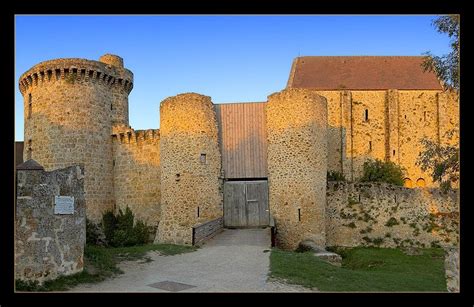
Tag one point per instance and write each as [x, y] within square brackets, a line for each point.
[370, 145]
[299, 215]
[203, 158]
[366, 115]
[29, 150]
[30, 99]
[393, 152]
[111, 107]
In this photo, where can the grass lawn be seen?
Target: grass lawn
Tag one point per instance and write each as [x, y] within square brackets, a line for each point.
[101, 263]
[363, 269]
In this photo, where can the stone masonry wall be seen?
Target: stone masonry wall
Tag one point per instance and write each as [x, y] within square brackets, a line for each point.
[68, 120]
[297, 165]
[396, 122]
[190, 166]
[49, 245]
[390, 216]
[136, 172]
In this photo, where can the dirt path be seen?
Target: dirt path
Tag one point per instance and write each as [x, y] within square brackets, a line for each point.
[233, 261]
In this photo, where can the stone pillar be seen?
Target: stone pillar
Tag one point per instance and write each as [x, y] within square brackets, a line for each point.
[297, 165]
[190, 163]
[392, 127]
[346, 126]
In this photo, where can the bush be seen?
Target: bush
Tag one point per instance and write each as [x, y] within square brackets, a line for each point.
[109, 224]
[380, 171]
[92, 233]
[392, 222]
[335, 176]
[120, 230]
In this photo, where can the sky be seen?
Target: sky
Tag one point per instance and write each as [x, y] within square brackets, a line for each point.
[229, 58]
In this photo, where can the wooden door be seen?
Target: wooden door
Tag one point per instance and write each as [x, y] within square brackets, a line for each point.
[246, 204]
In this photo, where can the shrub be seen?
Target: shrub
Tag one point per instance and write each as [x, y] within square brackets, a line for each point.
[120, 230]
[109, 223]
[335, 176]
[380, 171]
[392, 222]
[92, 233]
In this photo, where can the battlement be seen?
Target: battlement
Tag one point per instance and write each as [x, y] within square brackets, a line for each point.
[77, 70]
[131, 136]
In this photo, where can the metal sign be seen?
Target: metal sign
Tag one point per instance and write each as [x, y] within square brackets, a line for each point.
[63, 204]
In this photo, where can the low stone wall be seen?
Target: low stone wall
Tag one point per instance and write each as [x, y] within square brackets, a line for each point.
[48, 245]
[379, 214]
[451, 265]
[207, 230]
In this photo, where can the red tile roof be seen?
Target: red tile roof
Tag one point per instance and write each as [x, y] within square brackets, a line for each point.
[361, 73]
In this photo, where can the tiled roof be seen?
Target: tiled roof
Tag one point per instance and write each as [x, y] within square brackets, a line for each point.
[361, 73]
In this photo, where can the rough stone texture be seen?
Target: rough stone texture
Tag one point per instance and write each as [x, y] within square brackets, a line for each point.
[381, 214]
[49, 245]
[297, 165]
[451, 264]
[70, 108]
[188, 130]
[137, 173]
[397, 121]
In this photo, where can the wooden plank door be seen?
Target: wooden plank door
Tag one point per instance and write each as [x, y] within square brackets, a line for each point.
[246, 204]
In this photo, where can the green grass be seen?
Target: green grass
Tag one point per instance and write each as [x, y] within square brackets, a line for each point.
[100, 263]
[363, 269]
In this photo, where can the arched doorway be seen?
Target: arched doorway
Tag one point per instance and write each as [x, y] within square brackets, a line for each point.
[420, 183]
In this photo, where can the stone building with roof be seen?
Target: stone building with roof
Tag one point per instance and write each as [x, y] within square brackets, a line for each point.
[235, 164]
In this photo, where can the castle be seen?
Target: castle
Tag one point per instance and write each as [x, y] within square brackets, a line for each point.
[244, 163]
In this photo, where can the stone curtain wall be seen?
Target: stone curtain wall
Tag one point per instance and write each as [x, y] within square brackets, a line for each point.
[137, 173]
[69, 111]
[396, 122]
[190, 166]
[297, 165]
[49, 245]
[389, 216]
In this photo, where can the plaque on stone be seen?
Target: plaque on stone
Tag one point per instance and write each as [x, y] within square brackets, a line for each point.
[63, 204]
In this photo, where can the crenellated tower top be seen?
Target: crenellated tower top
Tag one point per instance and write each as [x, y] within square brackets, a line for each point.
[108, 70]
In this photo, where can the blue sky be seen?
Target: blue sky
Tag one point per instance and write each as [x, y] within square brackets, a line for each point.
[230, 58]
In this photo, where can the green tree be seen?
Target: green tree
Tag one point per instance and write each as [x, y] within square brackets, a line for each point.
[441, 160]
[446, 66]
[380, 171]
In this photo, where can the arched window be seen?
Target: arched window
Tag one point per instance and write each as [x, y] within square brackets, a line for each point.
[407, 183]
[420, 183]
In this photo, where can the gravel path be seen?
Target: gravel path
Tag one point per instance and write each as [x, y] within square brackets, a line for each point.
[236, 260]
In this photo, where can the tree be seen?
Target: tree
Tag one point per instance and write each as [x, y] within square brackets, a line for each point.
[382, 171]
[446, 66]
[443, 160]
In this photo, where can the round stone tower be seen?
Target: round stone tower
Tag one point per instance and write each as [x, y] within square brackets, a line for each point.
[70, 108]
[190, 164]
[297, 165]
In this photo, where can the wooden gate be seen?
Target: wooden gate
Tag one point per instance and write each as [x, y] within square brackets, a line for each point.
[246, 204]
